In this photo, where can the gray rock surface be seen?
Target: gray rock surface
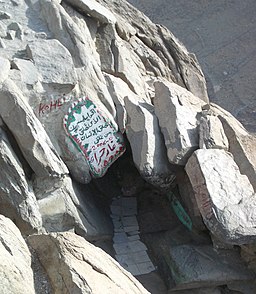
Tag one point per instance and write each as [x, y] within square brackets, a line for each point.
[5, 68]
[177, 110]
[29, 133]
[241, 143]
[225, 197]
[15, 266]
[143, 81]
[82, 268]
[53, 61]
[211, 133]
[65, 206]
[147, 144]
[201, 266]
[17, 199]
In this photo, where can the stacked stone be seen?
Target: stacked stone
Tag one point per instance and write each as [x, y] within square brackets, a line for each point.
[131, 252]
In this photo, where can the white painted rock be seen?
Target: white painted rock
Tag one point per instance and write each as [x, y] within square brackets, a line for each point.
[177, 110]
[148, 150]
[15, 260]
[82, 267]
[211, 133]
[242, 145]
[225, 198]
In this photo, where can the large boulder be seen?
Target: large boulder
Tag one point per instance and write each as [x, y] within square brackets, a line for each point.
[29, 133]
[201, 266]
[177, 110]
[17, 199]
[15, 266]
[53, 61]
[66, 206]
[147, 144]
[82, 267]
[241, 143]
[211, 133]
[225, 197]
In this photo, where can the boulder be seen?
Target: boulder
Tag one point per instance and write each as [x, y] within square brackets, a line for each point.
[211, 133]
[225, 198]
[181, 66]
[5, 69]
[241, 143]
[28, 70]
[177, 110]
[94, 9]
[148, 149]
[29, 133]
[17, 200]
[187, 65]
[53, 61]
[15, 266]
[118, 89]
[187, 195]
[65, 206]
[82, 267]
[200, 266]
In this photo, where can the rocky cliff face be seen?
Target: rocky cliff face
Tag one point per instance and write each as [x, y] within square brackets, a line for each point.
[107, 136]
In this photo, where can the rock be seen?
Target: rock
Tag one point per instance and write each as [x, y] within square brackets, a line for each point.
[187, 64]
[118, 59]
[211, 133]
[188, 198]
[199, 291]
[29, 133]
[65, 206]
[181, 67]
[244, 288]
[147, 144]
[241, 143]
[10, 35]
[201, 266]
[5, 69]
[17, 200]
[118, 90]
[4, 15]
[82, 267]
[225, 198]
[177, 110]
[3, 31]
[2, 44]
[53, 61]
[94, 9]
[29, 73]
[15, 271]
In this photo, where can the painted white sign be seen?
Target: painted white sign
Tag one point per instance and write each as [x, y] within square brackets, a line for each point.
[94, 135]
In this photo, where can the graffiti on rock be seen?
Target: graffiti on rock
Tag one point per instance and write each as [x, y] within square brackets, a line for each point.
[94, 135]
[45, 108]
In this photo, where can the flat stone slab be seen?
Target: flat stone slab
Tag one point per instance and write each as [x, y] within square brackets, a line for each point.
[136, 264]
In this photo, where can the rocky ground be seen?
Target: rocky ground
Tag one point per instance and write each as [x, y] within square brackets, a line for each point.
[117, 173]
[222, 35]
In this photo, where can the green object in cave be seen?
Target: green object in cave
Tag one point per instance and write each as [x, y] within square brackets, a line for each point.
[180, 211]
